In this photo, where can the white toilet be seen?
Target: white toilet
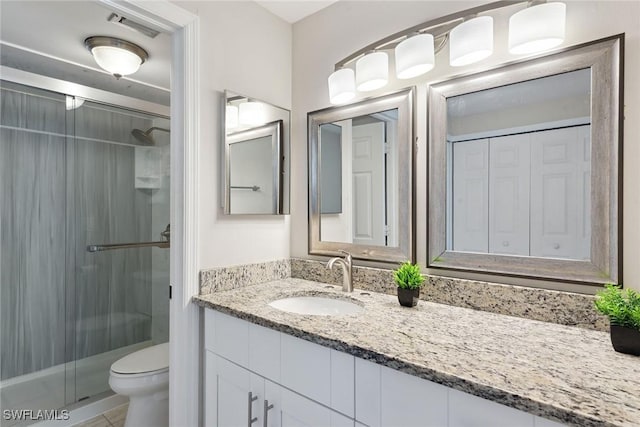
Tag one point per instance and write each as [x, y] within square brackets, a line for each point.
[143, 376]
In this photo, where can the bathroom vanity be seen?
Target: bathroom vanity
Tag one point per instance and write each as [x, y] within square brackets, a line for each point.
[387, 365]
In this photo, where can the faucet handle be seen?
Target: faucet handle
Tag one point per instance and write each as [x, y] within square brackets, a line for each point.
[347, 255]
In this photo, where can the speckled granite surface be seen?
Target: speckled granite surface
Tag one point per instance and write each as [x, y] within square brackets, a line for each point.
[567, 374]
[226, 278]
[565, 308]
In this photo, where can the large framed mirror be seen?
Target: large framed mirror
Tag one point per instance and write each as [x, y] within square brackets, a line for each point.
[524, 176]
[256, 157]
[360, 179]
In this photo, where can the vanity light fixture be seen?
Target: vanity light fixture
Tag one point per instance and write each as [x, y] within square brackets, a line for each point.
[231, 117]
[538, 27]
[251, 113]
[342, 86]
[471, 41]
[372, 71]
[415, 56]
[118, 57]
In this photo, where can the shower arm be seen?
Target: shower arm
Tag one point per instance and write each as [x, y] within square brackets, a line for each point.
[159, 244]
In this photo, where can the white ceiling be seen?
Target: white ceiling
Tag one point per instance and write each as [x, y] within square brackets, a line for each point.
[47, 37]
[294, 10]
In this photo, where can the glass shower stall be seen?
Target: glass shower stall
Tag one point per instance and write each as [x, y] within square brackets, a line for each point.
[76, 173]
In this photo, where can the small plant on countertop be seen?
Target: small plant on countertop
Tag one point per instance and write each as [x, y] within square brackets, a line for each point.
[622, 306]
[408, 276]
[409, 280]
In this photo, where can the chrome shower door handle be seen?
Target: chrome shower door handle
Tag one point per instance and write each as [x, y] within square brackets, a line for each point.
[267, 407]
[251, 419]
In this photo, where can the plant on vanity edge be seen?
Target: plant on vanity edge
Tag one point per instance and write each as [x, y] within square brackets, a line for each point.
[623, 309]
[409, 280]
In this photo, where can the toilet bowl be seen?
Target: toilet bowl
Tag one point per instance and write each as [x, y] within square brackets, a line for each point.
[143, 376]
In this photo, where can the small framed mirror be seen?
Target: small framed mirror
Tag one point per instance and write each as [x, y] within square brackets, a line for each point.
[523, 168]
[256, 157]
[360, 179]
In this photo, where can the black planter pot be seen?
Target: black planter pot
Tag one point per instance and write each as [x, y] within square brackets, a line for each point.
[408, 297]
[625, 340]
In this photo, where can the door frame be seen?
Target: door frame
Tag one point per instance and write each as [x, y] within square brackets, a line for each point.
[184, 328]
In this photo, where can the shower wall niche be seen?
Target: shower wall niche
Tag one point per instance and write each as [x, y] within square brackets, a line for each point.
[68, 180]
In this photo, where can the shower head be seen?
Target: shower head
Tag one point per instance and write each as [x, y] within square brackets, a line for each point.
[145, 136]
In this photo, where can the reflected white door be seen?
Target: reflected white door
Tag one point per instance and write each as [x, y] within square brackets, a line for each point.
[368, 184]
[470, 196]
[560, 193]
[510, 165]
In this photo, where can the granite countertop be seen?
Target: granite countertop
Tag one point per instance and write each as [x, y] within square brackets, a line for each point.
[563, 373]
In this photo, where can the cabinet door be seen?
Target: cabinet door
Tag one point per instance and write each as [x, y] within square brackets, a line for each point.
[234, 405]
[297, 411]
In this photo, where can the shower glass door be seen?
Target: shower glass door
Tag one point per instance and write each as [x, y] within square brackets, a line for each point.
[33, 259]
[73, 174]
[120, 194]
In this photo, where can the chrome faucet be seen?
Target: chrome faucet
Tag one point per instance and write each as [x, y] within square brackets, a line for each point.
[347, 280]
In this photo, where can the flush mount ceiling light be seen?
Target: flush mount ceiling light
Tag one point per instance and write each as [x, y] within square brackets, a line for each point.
[539, 27]
[118, 57]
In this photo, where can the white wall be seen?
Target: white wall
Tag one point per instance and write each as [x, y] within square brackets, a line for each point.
[246, 49]
[330, 35]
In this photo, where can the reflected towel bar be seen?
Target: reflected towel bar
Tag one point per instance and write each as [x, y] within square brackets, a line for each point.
[252, 188]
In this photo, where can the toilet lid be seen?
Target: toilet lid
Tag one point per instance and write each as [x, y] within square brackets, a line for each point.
[154, 358]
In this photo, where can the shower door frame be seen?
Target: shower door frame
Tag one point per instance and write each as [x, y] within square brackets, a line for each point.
[185, 381]
[184, 328]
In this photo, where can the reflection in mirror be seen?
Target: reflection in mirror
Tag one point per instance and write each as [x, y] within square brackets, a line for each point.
[360, 179]
[253, 181]
[523, 173]
[256, 166]
[519, 168]
[363, 150]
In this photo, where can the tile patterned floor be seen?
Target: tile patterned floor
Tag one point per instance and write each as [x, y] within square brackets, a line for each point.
[112, 418]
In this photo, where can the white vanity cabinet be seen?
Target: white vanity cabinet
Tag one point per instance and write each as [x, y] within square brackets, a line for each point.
[294, 382]
[244, 385]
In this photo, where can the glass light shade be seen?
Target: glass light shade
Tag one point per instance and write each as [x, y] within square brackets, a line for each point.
[414, 56]
[251, 113]
[471, 41]
[231, 117]
[537, 28]
[372, 71]
[73, 102]
[342, 86]
[116, 60]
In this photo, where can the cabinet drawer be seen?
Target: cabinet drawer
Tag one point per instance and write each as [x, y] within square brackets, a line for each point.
[231, 338]
[264, 352]
[306, 368]
[466, 410]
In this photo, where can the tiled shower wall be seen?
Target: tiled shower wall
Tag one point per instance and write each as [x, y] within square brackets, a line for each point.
[67, 180]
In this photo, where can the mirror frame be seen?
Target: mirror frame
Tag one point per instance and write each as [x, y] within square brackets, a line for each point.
[403, 101]
[274, 131]
[281, 168]
[605, 59]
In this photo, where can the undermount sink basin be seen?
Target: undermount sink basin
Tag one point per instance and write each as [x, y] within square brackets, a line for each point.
[316, 305]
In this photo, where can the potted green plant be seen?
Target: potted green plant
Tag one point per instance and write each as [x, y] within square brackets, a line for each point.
[409, 280]
[623, 309]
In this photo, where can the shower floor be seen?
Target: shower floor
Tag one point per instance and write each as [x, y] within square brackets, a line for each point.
[46, 389]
